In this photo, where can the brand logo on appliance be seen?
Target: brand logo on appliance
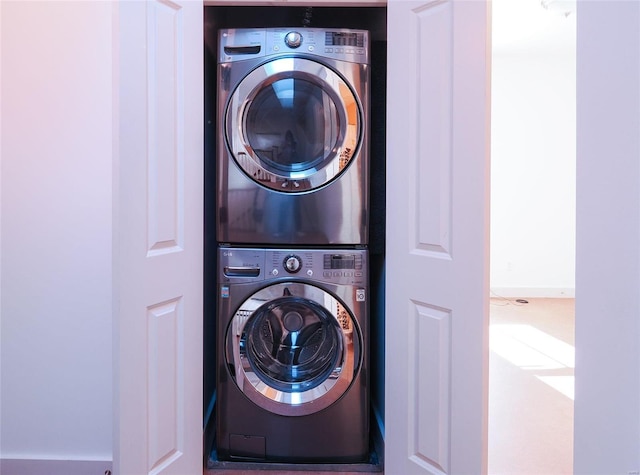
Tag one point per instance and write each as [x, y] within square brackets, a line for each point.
[227, 253]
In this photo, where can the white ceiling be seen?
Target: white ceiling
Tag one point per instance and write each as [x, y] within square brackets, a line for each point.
[534, 26]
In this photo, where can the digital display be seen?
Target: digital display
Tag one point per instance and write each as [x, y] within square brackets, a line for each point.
[339, 261]
[337, 38]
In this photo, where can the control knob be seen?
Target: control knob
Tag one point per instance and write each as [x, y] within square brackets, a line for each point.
[293, 39]
[292, 264]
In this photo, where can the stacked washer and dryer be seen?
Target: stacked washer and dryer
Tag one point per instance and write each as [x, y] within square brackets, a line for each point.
[292, 231]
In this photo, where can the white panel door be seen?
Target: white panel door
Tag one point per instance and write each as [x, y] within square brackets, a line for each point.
[158, 225]
[437, 237]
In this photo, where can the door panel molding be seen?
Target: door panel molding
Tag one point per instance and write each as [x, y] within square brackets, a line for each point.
[165, 119]
[434, 47]
[430, 398]
[165, 376]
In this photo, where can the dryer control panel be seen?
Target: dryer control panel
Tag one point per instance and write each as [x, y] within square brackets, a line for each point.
[340, 44]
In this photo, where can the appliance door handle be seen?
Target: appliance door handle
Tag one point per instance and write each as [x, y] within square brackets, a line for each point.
[243, 271]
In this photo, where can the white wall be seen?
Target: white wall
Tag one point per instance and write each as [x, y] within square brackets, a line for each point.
[607, 404]
[533, 151]
[56, 242]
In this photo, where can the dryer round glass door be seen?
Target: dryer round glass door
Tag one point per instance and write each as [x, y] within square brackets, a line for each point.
[293, 125]
[293, 348]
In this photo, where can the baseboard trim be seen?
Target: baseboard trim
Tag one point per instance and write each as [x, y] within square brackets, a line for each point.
[55, 467]
[534, 292]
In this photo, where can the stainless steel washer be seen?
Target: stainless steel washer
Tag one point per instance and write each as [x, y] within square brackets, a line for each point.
[292, 152]
[292, 355]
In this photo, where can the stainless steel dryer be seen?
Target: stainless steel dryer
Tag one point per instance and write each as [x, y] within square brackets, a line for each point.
[292, 355]
[292, 153]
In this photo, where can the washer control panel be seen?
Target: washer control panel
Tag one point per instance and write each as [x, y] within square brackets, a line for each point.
[339, 266]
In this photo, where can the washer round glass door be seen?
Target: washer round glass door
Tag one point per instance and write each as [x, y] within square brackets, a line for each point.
[293, 125]
[293, 348]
